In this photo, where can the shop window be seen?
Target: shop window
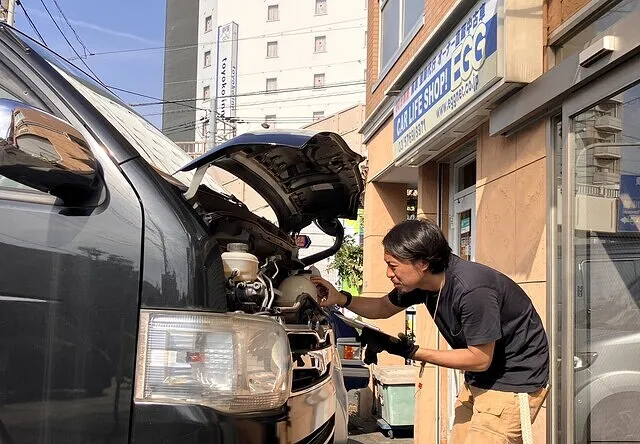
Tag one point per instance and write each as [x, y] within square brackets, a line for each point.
[399, 20]
[272, 49]
[598, 264]
[586, 36]
[466, 176]
[273, 13]
[320, 44]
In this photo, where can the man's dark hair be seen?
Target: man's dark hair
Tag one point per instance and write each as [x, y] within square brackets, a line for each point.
[418, 239]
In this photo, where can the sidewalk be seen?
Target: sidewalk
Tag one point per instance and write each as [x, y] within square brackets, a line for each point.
[366, 431]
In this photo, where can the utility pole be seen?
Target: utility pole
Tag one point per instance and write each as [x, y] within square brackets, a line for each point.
[7, 11]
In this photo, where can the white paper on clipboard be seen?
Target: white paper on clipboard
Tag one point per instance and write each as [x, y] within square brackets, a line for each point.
[354, 322]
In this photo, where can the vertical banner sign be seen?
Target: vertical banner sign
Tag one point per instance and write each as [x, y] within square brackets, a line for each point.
[462, 66]
[227, 70]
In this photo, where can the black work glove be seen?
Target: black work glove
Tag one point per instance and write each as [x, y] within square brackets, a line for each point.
[376, 342]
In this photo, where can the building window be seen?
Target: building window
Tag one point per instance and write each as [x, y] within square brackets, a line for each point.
[272, 49]
[399, 18]
[272, 84]
[318, 80]
[208, 23]
[588, 35]
[207, 59]
[269, 121]
[366, 4]
[366, 37]
[365, 74]
[321, 7]
[317, 115]
[273, 13]
[206, 93]
[321, 44]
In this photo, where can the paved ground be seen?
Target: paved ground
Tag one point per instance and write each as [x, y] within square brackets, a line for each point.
[366, 431]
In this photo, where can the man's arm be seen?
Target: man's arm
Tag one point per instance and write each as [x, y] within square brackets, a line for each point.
[370, 308]
[373, 308]
[474, 358]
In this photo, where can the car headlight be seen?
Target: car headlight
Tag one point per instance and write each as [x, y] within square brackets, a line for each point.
[582, 360]
[231, 362]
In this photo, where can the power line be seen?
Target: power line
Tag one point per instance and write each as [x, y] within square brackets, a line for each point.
[160, 101]
[70, 45]
[84, 47]
[255, 93]
[296, 68]
[247, 105]
[31, 22]
[293, 32]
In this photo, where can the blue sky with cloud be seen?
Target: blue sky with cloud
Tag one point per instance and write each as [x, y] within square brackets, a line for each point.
[104, 27]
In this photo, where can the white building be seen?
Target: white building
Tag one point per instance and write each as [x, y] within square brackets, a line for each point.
[297, 60]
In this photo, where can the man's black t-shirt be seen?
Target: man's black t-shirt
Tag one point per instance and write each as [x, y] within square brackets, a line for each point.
[479, 305]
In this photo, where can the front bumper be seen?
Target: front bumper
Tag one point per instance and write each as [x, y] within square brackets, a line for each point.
[191, 424]
[308, 418]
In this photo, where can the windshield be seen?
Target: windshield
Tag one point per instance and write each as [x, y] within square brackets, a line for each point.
[150, 143]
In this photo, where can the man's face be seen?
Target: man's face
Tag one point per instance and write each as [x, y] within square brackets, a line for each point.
[405, 275]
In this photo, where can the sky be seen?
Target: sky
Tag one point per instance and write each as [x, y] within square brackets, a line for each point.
[105, 26]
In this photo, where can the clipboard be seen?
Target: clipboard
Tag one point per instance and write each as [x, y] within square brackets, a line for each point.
[354, 322]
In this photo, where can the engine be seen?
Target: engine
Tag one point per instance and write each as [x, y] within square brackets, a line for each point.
[269, 288]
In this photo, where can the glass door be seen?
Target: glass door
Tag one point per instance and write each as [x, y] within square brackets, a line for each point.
[601, 266]
[463, 221]
[462, 233]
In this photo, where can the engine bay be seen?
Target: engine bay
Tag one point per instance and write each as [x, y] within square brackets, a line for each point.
[263, 274]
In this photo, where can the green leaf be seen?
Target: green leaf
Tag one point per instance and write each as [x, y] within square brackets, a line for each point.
[348, 263]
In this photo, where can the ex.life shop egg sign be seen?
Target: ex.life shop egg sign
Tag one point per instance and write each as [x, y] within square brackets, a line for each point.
[464, 64]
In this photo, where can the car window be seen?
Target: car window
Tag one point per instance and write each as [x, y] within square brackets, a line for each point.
[151, 144]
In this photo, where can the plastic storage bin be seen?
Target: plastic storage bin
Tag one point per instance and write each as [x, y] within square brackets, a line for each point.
[395, 385]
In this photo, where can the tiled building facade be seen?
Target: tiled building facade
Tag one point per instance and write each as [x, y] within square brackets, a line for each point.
[554, 107]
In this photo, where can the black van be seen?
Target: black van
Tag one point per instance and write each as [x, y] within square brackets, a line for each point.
[120, 319]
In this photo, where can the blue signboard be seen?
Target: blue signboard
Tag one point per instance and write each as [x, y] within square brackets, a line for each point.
[464, 65]
[629, 203]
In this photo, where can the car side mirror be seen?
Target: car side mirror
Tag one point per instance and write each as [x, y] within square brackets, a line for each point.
[46, 153]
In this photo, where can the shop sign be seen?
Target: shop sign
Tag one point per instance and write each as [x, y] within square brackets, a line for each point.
[629, 204]
[462, 67]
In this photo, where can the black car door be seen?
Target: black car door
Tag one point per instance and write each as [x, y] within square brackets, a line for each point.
[69, 297]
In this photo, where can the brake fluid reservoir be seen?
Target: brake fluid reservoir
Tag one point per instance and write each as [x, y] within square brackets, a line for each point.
[294, 286]
[238, 258]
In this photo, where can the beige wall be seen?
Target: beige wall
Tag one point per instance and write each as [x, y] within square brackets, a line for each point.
[511, 211]
[384, 206]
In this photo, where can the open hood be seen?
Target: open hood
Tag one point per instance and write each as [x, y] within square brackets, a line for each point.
[303, 175]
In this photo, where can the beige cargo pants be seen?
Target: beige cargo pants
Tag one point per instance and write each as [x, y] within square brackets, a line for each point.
[490, 416]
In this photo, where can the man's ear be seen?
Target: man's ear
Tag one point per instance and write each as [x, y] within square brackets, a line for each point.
[424, 265]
